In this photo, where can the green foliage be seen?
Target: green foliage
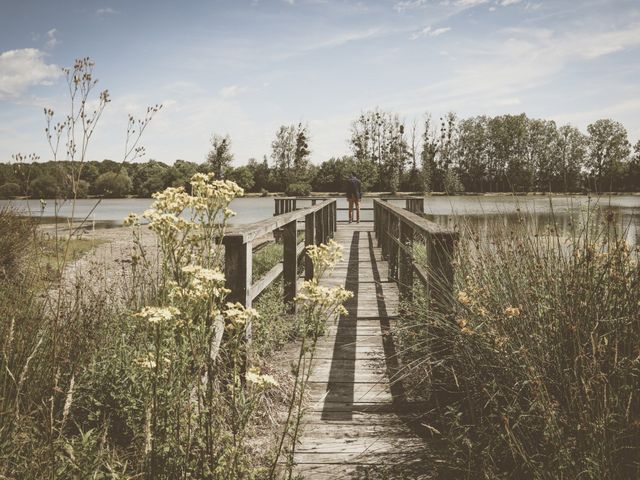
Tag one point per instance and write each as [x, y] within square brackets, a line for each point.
[220, 156]
[10, 190]
[298, 189]
[534, 374]
[45, 186]
[15, 233]
[242, 176]
[113, 185]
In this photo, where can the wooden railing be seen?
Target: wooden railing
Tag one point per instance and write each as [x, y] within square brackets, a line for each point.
[397, 231]
[290, 204]
[319, 226]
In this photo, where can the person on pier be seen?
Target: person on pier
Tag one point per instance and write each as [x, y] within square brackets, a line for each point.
[354, 195]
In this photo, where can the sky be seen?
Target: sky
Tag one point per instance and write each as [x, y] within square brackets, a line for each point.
[245, 67]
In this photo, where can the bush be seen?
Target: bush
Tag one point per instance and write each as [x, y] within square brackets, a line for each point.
[10, 190]
[298, 189]
[15, 232]
[536, 373]
[45, 186]
[113, 185]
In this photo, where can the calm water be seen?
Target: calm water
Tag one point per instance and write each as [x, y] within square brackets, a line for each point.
[485, 212]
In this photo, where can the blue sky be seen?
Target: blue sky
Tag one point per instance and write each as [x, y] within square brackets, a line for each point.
[244, 67]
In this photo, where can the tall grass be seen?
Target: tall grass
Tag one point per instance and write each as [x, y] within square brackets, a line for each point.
[536, 373]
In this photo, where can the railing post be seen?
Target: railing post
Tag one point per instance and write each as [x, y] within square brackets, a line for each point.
[237, 270]
[439, 258]
[318, 222]
[405, 267]
[393, 249]
[309, 239]
[238, 264]
[290, 263]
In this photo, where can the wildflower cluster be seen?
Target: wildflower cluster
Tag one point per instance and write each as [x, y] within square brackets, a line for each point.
[238, 316]
[254, 377]
[209, 194]
[201, 284]
[324, 257]
[158, 315]
[313, 295]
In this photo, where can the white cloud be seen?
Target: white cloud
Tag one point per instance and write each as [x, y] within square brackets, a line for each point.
[52, 41]
[231, 91]
[429, 32]
[506, 3]
[409, 5]
[469, 3]
[20, 69]
[105, 11]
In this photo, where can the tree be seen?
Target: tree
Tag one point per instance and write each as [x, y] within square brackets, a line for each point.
[542, 139]
[10, 190]
[472, 153]
[220, 156]
[378, 137]
[429, 152]
[609, 147]
[290, 153]
[570, 151]
[242, 176]
[44, 186]
[114, 185]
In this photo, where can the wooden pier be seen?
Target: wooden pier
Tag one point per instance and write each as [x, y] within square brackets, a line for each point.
[358, 424]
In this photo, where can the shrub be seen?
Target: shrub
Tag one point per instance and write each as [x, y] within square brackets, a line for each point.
[15, 233]
[298, 189]
[113, 185]
[44, 186]
[536, 373]
[10, 190]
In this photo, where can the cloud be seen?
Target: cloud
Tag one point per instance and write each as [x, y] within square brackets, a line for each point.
[429, 32]
[409, 5]
[470, 3]
[231, 91]
[20, 69]
[102, 12]
[506, 3]
[52, 41]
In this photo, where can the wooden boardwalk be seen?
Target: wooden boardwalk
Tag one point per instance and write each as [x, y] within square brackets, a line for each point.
[355, 427]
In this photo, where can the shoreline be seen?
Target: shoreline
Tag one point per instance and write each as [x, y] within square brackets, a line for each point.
[380, 194]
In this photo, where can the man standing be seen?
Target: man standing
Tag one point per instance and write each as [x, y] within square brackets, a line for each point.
[354, 194]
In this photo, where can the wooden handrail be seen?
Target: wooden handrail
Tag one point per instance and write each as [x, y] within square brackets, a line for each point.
[320, 225]
[396, 230]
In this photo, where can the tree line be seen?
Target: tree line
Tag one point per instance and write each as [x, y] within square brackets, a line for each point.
[506, 153]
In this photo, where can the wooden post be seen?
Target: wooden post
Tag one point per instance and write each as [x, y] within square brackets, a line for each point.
[393, 249]
[237, 270]
[405, 274]
[325, 224]
[319, 233]
[309, 239]
[290, 263]
[439, 258]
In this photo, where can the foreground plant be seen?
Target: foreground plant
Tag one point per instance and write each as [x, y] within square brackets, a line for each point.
[537, 373]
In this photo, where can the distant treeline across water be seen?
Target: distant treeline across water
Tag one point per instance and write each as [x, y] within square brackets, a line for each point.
[507, 153]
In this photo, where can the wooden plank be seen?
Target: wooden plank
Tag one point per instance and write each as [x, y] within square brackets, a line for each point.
[290, 267]
[258, 287]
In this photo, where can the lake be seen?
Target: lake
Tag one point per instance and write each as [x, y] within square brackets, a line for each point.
[484, 212]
